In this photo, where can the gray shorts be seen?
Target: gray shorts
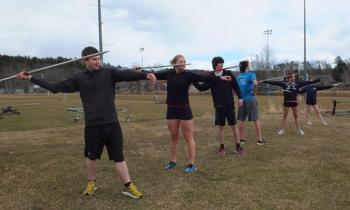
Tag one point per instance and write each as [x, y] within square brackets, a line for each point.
[250, 109]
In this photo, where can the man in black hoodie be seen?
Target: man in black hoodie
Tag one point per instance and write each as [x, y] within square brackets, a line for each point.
[96, 85]
[222, 93]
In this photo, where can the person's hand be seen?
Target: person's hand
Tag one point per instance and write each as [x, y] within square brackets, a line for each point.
[151, 77]
[23, 75]
[136, 68]
[226, 78]
[240, 102]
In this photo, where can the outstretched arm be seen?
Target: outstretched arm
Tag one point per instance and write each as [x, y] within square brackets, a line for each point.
[302, 84]
[162, 75]
[324, 87]
[69, 85]
[274, 83]
[207, 78]
[127, 75]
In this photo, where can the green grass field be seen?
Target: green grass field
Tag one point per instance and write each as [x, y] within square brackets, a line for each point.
[42, 164]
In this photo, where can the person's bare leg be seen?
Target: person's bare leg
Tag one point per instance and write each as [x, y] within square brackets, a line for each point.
[187, 130]
[307, 115]
[295, 117]
[91, 166]
[284, 120]
[241, 130]
[123, 171]
[235, 134]
[296, 120]
[319, 114]
[173, 126]
[221, 134]
[258, 129]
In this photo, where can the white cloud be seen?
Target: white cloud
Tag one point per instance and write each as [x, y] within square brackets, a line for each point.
[198, 29]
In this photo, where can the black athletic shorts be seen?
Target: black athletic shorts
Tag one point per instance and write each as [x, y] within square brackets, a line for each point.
[290, 104]
[97, 136]
[181, 113]
[311, 101]
[223, 113]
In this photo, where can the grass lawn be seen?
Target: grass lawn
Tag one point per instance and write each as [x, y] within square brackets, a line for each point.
[42, 164]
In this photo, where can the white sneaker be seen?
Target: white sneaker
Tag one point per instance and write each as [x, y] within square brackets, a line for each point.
[301, 132]
[280, 132]
[309, 123]
[325, 123]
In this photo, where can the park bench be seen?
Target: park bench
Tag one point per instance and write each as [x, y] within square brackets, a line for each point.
[337, 101]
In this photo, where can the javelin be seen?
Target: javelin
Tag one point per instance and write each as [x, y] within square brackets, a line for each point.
[273, 78]
[56, 65]
[230, 67]
[276, 89]
[155, 67]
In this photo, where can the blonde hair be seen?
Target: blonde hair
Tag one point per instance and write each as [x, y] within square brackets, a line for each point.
[175, 59]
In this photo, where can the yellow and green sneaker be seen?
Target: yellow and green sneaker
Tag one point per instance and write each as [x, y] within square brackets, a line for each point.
[132, 191]
[90, 188]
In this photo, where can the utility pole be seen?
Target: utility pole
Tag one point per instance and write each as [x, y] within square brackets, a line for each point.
[100, 29]
[305, 70]
[141, 50]
[267, 33]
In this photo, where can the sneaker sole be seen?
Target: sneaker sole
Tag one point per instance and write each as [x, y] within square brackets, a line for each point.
[191, 172]
[92, 193]
[131, 195]
[239, 153]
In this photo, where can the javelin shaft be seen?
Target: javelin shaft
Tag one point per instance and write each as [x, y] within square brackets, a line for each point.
[56, 65]
[154, 67]
[230, 67]
[276, 78]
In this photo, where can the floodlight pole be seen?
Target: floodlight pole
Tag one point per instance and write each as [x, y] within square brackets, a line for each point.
[100, 29]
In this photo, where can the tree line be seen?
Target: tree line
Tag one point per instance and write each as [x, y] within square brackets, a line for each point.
[338, 71]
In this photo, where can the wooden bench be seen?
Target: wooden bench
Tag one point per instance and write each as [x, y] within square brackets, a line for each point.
[337, 101]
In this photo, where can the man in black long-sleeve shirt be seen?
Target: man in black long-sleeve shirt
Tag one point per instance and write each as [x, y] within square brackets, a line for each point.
[96, 85]
[222, 94]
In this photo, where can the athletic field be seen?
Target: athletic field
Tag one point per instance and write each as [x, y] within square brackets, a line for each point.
[42, 164]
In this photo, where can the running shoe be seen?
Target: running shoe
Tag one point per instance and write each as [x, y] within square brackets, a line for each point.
[221, 151]
[281, 132]
[239, 150]
[170, 165]
[261, 142]
[90, 188]
[132, 191]
[190, 169]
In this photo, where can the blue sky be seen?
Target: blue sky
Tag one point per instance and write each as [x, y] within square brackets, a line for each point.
[198, 29]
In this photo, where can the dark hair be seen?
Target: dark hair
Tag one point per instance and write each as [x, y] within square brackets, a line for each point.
[216, 61]
[176, 58]
[88, 51]
[243, 65]
[290, 74]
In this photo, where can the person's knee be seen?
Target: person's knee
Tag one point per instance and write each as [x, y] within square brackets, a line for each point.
[188, 137]
[174, 135]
